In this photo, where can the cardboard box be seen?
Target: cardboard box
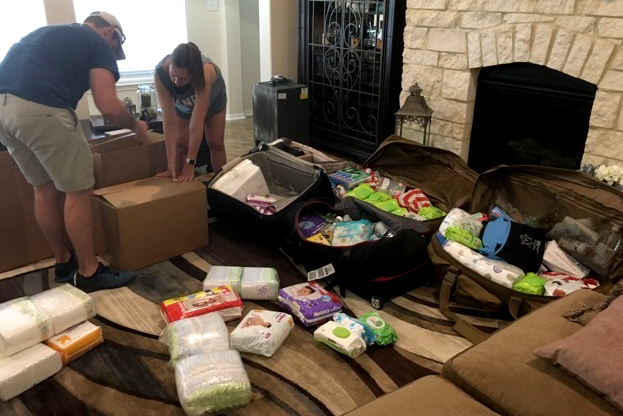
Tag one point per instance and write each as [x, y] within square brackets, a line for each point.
[21, 240]
[150, 220]
[124, 159]
[311, 155]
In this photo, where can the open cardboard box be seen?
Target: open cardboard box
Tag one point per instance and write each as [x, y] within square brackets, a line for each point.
[147, 221]
[21, 240]
[124, 159]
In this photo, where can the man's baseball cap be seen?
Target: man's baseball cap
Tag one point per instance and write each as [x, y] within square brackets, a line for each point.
[112, 20]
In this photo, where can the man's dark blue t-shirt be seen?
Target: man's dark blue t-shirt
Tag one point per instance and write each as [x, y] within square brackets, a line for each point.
[51, 65]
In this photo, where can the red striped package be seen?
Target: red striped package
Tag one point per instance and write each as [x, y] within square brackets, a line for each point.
[413, 200]
[374, 178]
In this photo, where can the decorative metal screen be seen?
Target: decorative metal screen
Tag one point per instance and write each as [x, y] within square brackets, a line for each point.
[345, 47]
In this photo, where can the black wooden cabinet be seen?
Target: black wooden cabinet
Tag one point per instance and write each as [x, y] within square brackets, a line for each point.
[350, 56]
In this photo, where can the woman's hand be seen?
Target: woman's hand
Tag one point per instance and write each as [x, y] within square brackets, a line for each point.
[169, 173]
[187, 174]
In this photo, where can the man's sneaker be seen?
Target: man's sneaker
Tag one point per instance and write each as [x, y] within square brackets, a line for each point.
[105, 277]
[64, 272]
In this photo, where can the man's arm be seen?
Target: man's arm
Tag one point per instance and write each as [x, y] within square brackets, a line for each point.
[105, 96]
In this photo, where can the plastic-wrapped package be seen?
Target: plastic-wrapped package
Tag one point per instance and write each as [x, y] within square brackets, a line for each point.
[74, 342]
[65, 305]
[31, 366]
[261, 332]
[223, 275]
[212, 382]
[561, 284]
[195, 335]
[340, 339]
[259, 283]
[382, 332]
[310, 302]
[354, 326]
[461, 219]
[499, 271]
[222, 299]
[22, 325]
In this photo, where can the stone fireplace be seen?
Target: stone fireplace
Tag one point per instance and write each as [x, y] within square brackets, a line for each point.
[448, 43]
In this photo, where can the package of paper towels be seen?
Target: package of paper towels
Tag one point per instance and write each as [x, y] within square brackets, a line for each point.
[212, 382]
[21, 371]
[22, 325]
[192, 336]
[65, 305]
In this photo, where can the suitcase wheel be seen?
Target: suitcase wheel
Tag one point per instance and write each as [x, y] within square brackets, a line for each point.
[377, 302]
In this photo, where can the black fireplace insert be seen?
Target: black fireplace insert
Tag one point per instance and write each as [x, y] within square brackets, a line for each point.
[527, 114]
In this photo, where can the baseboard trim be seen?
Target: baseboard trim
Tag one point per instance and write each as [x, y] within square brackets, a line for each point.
[248, 113]
[236, 116]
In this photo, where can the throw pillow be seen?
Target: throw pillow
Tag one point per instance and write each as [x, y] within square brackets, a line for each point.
[593, 354]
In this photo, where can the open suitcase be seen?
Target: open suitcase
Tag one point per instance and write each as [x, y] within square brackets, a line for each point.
[440, 174]
[543, 196]
[265, 172]
[375, 270]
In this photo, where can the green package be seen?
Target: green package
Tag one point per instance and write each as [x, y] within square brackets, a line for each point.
[431, 212]
[461, 235]
[531, 283]
[382, 332]
[361, 191]
[387, 206]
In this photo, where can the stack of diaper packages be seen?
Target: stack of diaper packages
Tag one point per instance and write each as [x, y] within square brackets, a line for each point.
[56, 317]
[209, 376]
[309, 302]
[351, 336]
[251, 283]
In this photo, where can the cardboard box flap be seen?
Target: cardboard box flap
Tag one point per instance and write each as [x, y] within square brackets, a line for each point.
[145, 190]
[115, 145]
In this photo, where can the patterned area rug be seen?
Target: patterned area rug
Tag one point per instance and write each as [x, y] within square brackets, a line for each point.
[129, 373]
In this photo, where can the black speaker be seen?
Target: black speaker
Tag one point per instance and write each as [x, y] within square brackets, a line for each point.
[280, 109]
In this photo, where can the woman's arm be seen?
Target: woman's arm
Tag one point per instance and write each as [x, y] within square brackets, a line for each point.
[196, 127]
[169, 125]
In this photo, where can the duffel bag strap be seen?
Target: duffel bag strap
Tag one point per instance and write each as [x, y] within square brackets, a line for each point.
[461, 326]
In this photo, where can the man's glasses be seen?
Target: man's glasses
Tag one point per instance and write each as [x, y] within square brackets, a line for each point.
[120, 36]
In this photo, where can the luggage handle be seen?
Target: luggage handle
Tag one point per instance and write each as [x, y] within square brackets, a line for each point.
[461, 326]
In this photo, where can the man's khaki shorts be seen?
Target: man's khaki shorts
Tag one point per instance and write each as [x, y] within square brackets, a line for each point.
[47, 143]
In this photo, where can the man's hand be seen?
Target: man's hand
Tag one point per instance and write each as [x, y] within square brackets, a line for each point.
[140, 129]
[187, 174]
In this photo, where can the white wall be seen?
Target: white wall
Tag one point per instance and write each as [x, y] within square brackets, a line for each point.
[278, 38]
[250, 50]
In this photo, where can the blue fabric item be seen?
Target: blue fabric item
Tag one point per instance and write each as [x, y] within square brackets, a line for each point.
[495, 236]
[51, 65]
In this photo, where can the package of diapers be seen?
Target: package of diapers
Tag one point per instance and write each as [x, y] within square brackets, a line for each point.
[261, 332]
[76, 341]
[22, 325]
[195, 335]
[223, 275]
[561, 284]
[499, 271]
[65, 305]
[259, 283]
[221, 299]
[31, 366]
[340, 338]
[309, 302]
[461, 219]
[355, 326]
[212, 382]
